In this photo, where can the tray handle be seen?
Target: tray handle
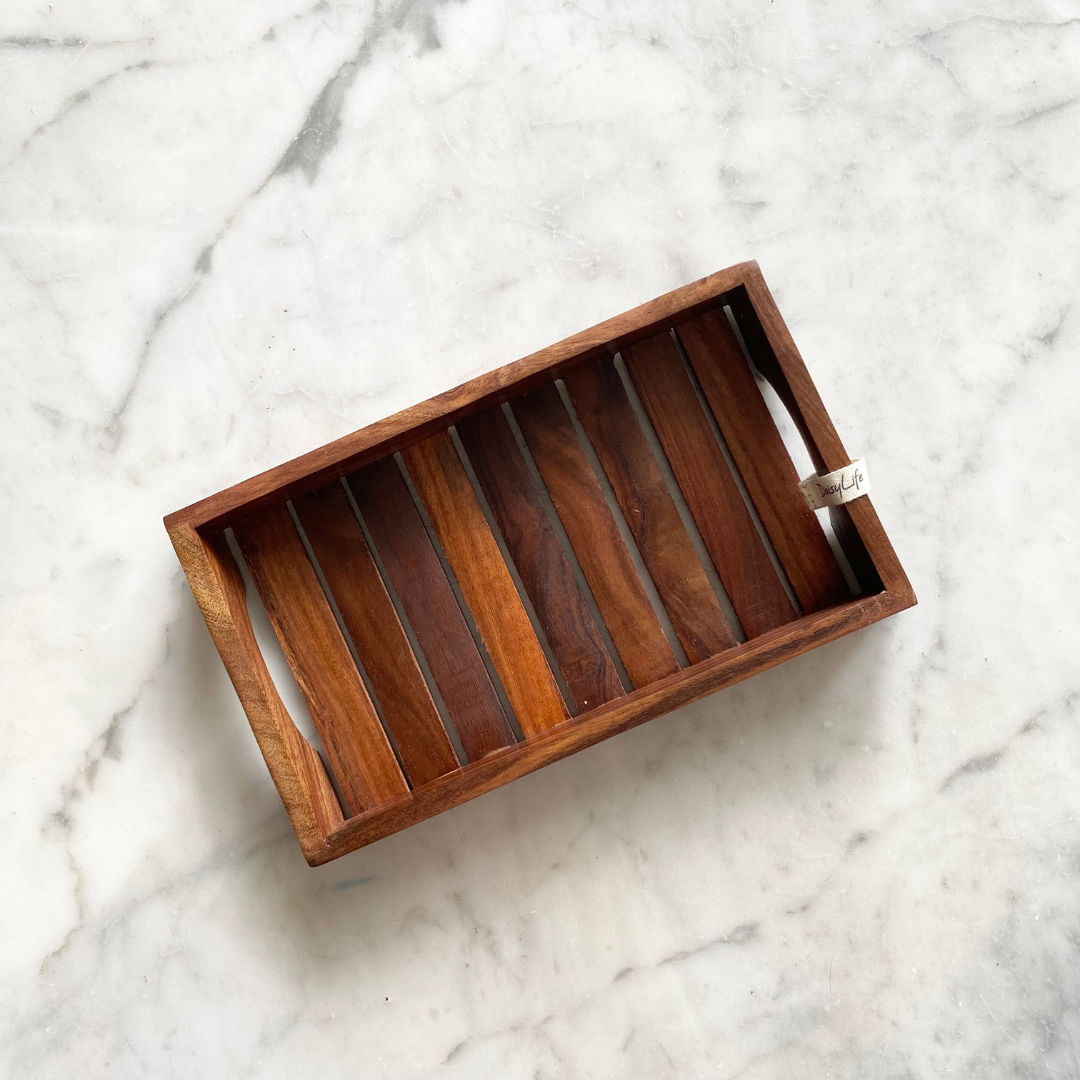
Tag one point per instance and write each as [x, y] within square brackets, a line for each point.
[296, 768]
[776, 356]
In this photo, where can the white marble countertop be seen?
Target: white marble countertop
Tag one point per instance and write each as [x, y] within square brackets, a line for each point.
[234, 231]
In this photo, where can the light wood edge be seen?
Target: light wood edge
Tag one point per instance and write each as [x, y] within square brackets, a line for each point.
[296, 768]
[821, 429]
[682, 688]
[388, 436]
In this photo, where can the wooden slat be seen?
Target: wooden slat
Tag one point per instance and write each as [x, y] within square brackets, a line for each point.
[707, 485]
[369, 616]
[594, 536]
[297, 770]
[431, 608]
[718, 671]
[608, 418]
[386, 437]
[817, 431]
[486, 584]
[762, 460]
[539, 558]
[355, 743]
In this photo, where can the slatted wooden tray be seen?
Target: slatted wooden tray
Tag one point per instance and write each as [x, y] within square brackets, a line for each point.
[545, 556]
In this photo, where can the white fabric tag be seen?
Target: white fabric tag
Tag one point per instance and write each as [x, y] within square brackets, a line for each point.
[838, 487]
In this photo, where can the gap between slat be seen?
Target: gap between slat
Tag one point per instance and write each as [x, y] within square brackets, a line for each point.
[352, 734]
[568, 548]
[278, 667]
[676, 494]
[624, 530]
[410, 634]
[796, 448]
[737, 477]
[493, 675]
[530, 611]
[364, 677]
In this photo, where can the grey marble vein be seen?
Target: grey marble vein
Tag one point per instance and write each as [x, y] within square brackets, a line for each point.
[230, 233]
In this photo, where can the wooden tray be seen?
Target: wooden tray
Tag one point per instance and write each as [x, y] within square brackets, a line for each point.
[410, 622]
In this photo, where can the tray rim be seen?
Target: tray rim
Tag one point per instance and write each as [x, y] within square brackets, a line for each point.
[376, 440]
[197, 533]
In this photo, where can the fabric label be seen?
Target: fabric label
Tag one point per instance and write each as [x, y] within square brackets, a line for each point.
[838, 487]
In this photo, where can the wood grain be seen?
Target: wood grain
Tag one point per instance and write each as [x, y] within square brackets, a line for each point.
[719, 671]
[760, 346]
[485, 582]
[594, 536]
[608, 419]
[431, 608]
[823, 435]
[759, 454]
[538, 556]
[416, 572]
[355, 743]
[369, 616]
[296, 769]
[386, 437]
[706, 483]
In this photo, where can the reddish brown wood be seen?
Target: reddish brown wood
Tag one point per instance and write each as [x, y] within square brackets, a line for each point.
[760, 347]
[608, 419]
[538, 556]
[759, 454]
[296, 769]
[764, 358]
[486, 584]
[369, 616]
[719, 671]
[431, 608]
[594, 536]
[416, 572]
[824, 440]
[386, 437]
[706, 483]
[355, 743]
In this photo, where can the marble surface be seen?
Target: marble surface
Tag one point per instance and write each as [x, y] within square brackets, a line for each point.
[233, 231]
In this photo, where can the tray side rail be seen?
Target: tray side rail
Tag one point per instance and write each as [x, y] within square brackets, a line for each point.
[295, 766]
